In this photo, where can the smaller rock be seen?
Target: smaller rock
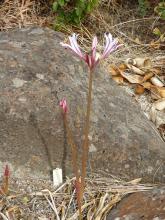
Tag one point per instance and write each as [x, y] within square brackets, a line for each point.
[22, 99]
[18, 82]
[40, 76]
[149, 205]
[92, 148]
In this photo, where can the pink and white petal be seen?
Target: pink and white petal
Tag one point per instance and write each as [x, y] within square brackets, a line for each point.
[94, 45]
[111, 47]
[108, 38]
[74, 44]
[94, 42]
[67, 46]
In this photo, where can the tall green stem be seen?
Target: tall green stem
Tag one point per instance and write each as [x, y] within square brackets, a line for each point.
[86, 133]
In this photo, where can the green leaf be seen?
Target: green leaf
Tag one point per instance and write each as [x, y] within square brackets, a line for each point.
[76, 20]
[61, 2]
[88, 9]
[157, 32]
[55, 6]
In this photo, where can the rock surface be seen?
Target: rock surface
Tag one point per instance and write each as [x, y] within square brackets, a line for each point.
[35, 73]
[141, 205]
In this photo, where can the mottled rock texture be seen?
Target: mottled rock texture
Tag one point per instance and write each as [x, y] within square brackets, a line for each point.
[35, 73]
[148, 205]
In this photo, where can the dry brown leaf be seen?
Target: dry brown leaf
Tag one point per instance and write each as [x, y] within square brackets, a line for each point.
[130, 61]
[147, 76]
[156, 70]
[136, 70]
[157, 82]
[161, 92]
[143, 62]
[137, 40]
[13, 208]
[132, 78]
[154, 45]
[147, 85]
[160, 104]
[139, 89]
[157, 92]
[122, 67]
[118, 79]
[114, 70]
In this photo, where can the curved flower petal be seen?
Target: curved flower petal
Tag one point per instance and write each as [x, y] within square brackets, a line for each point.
[73, 46]
[94, 45]
[108, 38]
[110, 46]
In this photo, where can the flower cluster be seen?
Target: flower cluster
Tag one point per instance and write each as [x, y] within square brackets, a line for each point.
[92, 59]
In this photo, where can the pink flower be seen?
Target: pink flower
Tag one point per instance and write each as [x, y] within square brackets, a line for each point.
[92, 59]
[63, 105]
[110, 45]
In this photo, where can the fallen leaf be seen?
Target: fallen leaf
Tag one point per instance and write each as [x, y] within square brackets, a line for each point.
[147, 76]
[142, 62]
[157, 82]
[130, 61]
[122, 67]
[137, 40]
[160, 104]
[139, 89]
[157, 32]
[136, 69]
[114, 70]
[132, 78]
[156, 70]
[147, 85]
[154, 45]
[157, 92]
[118, 79]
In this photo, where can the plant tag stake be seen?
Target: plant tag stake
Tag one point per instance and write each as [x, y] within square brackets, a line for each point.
[57, 177]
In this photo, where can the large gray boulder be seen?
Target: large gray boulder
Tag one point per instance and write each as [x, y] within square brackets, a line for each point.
[35, 73]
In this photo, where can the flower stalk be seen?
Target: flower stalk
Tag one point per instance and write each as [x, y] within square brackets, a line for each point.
[92, 61]
[74, 155]
[86, 134]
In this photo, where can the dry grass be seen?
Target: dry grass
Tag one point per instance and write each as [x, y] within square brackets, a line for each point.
[101, 195]
[22, 13]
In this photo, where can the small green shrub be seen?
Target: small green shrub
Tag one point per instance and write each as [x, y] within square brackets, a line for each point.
[160, 9]
[143, 7]
[72, 11]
